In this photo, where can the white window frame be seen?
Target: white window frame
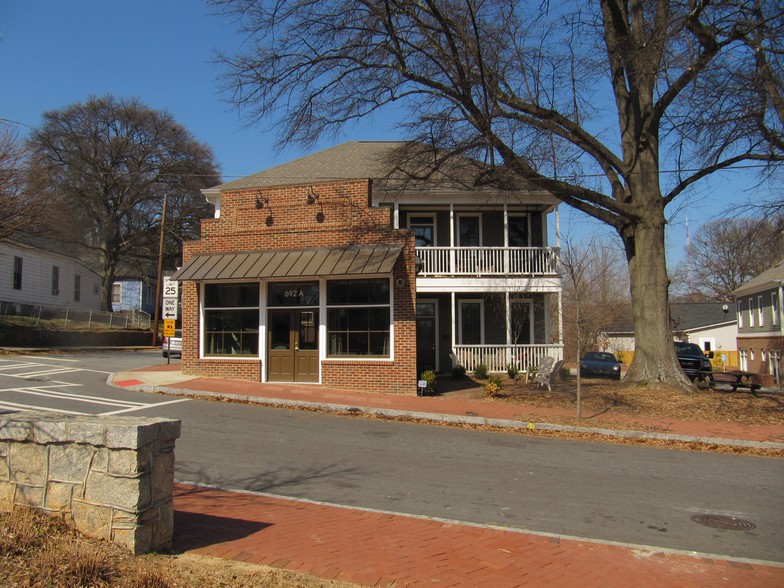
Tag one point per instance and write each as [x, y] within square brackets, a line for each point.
[760, 313]
[774, 307]
[481, 303]
[740, 314]
[433, 218]
[527, 218]
[751, 313]
[744, 360]
[711, 341]
[117, 292]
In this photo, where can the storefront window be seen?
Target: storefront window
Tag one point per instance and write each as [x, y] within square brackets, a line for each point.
[231, 319]
[358, 318]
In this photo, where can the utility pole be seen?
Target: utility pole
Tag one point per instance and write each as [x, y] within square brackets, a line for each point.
[158, 280]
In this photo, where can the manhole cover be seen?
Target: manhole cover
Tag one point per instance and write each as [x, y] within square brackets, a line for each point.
[725, 522]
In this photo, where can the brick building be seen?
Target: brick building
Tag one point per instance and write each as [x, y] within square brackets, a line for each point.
[761, 324]
[363, 265]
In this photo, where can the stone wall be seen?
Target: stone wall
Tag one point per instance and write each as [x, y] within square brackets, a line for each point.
[110, 477]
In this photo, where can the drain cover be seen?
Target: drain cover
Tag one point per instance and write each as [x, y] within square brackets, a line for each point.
[725, 522]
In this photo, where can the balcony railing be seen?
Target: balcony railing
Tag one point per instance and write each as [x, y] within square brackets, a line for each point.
[498, 357]
[487, 261]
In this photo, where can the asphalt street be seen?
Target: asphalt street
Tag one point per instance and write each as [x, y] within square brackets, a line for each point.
[639, 495]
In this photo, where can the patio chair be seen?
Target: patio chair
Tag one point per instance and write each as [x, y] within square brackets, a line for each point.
[543, 370]
[547, 376]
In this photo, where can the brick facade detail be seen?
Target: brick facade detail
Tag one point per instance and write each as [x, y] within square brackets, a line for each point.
[341, 216]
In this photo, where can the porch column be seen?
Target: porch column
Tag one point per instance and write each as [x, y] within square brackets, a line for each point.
[454, 329]
[506, 241]
[560, 319]
[396, 216]
[508, 325]
[452, 243]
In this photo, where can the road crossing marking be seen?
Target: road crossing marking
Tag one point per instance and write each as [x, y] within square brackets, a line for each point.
[55, 390]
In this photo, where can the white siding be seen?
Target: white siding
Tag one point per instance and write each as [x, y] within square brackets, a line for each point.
[37, 279]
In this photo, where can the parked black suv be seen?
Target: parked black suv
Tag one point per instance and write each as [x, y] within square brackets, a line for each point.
[694, 363]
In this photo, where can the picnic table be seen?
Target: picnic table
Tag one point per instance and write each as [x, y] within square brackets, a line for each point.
[737, 379]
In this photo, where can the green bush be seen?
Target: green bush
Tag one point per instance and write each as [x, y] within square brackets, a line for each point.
[564, 374]
[512, 370]
[480, 372]
[430, 377]
[458, 371]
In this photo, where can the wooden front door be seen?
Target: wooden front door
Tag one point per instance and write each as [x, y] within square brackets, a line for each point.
[292, 348]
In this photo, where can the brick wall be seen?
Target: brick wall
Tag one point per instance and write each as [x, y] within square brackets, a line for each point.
[340, 217]
[759, 346]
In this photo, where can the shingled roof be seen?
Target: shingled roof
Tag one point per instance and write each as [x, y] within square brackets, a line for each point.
[393, 166]
[770, 278]
[684, 316]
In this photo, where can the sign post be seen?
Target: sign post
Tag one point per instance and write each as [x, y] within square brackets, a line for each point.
[171, 293]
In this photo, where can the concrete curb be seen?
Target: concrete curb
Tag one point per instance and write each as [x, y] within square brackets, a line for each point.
[452, 419]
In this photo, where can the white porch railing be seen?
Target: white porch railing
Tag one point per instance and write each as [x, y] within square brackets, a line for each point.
[489, 261]
[498, 357]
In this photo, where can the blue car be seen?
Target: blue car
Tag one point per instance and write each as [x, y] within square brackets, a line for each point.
[597, 364]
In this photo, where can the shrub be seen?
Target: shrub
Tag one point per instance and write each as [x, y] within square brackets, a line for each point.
[493, 386]
[480, 372]
[512, 370]
[458, 371]
[430, 377]
[564, 374]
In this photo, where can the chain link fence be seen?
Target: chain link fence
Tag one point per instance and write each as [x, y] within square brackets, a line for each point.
[69, 318]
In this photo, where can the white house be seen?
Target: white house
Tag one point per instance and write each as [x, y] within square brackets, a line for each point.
[36, 271]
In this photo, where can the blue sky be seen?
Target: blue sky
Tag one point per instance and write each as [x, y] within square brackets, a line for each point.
[54, 53]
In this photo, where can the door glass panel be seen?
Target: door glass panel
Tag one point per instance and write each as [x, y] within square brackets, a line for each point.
[280, 328]
[470, 323]
[469, 231]
[308, 333]
[518, 231]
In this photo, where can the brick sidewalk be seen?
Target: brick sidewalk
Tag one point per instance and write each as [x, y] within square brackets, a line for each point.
[379, 549]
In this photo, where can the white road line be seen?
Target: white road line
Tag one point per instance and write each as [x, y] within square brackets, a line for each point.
[48, 358]
[48, 393]
[29, 407]
[151, 405]
[49, 372]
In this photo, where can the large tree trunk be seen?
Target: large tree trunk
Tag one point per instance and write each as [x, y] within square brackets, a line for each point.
[654, 356]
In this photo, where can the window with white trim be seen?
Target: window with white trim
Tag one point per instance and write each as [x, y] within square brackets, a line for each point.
[18, 263]
[117, 288]
[77, 288]
[359, 318]
[751, 313]
[774, 307]
[760, 308]
[231, 320]
[55, 280]
[740, 314]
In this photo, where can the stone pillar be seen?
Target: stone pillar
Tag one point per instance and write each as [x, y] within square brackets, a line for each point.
[111, 477]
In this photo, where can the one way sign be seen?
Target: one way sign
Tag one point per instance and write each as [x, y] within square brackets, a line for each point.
[170, 308]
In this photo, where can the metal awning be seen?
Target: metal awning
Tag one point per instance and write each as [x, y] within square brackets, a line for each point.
[291, 263]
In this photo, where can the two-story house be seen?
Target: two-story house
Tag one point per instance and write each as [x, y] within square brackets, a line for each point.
[761, 322]
[363, 265]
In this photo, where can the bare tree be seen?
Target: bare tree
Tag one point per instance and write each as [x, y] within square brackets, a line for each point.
[107, 163]
[726, 253]
[21, 210]
[596, 289]
[593, 101]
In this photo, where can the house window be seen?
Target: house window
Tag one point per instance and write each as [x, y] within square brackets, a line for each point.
[744, 360]
[55, 280]
[774, 307]
[77, 288]
[760, 308]
[469, 230]
[522, 322]
[117, 289]
[231, 319]
[707, 344]
[424, 228]
[470, 326]
[751, 313]
[358, 318]
[518, 231]
[17, 273]
[740, 314]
